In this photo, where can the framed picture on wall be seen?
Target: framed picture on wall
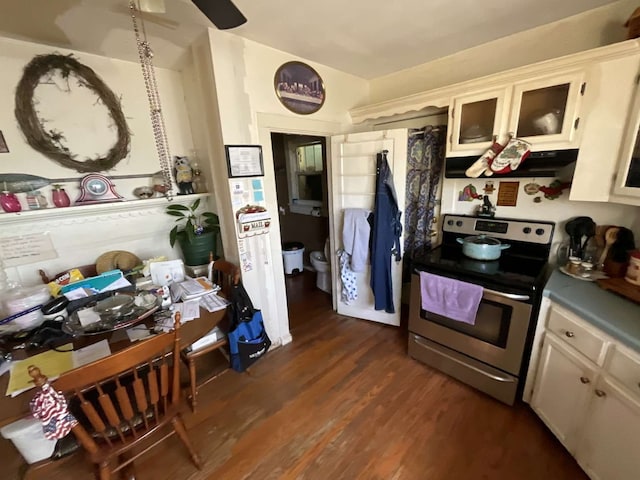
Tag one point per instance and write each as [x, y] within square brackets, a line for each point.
[244, 160]
[3, 144]
[299, 88]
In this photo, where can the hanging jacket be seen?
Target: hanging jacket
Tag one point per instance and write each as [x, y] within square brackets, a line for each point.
[386, 230]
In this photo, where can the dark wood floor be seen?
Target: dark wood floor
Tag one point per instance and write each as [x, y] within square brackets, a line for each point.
[344, 401]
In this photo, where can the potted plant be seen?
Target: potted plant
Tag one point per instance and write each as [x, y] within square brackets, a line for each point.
[196, 234]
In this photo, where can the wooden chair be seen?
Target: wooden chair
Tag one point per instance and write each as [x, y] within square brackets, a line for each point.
[225, 274]
[129, 398]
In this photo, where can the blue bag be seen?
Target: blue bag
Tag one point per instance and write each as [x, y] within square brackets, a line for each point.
[248, 342]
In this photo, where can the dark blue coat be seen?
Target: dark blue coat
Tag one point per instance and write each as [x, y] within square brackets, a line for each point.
[386, 229]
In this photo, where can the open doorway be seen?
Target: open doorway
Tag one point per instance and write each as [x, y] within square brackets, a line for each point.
[300, 166]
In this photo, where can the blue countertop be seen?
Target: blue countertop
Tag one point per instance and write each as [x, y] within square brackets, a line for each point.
[611, 313]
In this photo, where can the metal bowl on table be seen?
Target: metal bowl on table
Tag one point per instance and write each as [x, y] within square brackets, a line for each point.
[115, 307]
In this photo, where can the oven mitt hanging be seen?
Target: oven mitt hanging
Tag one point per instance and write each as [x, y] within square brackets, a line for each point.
[481, 165]
[512, 155]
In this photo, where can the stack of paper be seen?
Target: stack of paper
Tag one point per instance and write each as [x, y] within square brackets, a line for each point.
[192, 288]
[213, 302]
[209, 338]
[54, 363]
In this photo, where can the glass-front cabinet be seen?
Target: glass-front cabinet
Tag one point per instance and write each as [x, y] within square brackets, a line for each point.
[543, 111]
[476, 119]
[628, 178]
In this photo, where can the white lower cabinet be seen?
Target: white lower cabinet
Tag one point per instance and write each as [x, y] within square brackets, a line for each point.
[593, 408]
[562, 390]
[610, 445]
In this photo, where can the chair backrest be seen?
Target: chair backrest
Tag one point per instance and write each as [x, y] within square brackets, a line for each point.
[225, 274]
[128, 392]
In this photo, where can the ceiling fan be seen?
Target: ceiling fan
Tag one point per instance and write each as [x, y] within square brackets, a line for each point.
[222, 13]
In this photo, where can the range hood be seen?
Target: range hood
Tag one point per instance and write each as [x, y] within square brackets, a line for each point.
[538, 164]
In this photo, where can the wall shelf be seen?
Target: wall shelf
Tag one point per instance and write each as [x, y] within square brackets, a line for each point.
[48, 214]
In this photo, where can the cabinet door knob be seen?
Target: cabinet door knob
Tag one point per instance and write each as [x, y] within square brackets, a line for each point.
[584, 380]
[600, 393]
[569, 334]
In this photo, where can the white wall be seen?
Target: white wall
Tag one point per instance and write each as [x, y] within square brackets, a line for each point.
[83, 130]
[559, 210]
[80, 239]
[248, 110]
[591, 29]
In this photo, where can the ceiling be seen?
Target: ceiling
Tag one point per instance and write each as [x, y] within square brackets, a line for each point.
[367, 38]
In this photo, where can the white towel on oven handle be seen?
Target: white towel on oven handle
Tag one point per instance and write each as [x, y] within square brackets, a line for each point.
[450, 298]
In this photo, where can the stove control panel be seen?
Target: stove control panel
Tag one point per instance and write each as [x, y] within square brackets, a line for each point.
[509, 229]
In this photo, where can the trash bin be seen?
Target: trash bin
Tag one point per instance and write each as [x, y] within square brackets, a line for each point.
[28, 437]
[292, 254]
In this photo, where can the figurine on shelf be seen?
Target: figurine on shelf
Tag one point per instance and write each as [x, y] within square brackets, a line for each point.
[487, 209]
[158, 184]
[9, 201]
[199, 183]
[36, 201]
[183, 174]
[60, 197]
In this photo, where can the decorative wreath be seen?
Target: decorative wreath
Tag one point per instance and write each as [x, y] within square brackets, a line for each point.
[50, 142]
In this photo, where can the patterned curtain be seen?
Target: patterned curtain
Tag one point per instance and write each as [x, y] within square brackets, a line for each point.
[426, 152]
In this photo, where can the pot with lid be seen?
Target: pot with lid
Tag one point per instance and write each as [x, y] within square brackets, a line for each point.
[482, 247]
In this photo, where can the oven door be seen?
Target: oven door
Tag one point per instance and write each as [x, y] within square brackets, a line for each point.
[498, 337]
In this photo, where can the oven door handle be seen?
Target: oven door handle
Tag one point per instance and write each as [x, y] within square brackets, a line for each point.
[492, 376]
[510, 296]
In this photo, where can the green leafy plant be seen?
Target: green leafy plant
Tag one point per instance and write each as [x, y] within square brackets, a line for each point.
[190, 222]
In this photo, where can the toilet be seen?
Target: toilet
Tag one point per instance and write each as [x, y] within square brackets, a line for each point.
[320, 262]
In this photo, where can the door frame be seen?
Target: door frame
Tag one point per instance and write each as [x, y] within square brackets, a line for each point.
[268, 124]
[396, 139]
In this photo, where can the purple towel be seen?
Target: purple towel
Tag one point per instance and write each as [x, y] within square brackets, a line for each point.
[450, 298]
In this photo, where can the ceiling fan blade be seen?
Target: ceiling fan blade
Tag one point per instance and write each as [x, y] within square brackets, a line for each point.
[223, 13]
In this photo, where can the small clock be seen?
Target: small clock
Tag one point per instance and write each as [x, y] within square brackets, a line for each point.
[96, 188]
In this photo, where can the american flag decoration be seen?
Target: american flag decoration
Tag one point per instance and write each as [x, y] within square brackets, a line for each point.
[50, 407]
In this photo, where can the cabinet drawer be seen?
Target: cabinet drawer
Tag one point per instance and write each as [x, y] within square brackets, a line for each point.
[626, 369]
[576, 335]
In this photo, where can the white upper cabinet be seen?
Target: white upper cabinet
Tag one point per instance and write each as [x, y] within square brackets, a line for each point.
[607, 112]
[475, 120]
[543, 111]
[627, 180]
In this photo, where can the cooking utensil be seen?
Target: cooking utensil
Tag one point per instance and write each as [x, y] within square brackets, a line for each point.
[599, 236]
[482, 247]
[623, 245]
[22, 182]
[578, 228]
[610, 237]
